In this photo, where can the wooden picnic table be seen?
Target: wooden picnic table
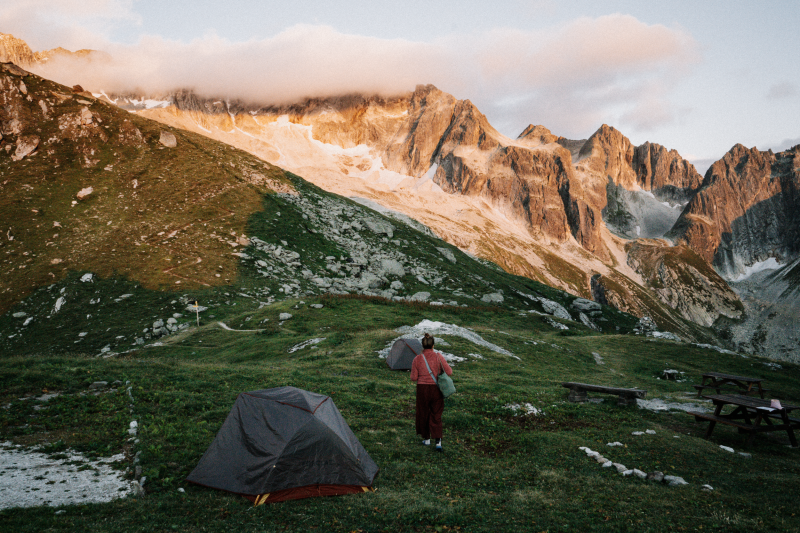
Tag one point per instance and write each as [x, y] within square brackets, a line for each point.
[750, 415]
[577, 392]
[721, 382]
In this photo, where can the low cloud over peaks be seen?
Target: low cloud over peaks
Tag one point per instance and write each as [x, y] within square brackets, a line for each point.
[302, 61]
[571, 78]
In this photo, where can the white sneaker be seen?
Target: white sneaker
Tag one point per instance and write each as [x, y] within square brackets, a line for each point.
[426, 442]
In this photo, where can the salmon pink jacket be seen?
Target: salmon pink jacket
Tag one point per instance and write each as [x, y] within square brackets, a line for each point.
[419, 372]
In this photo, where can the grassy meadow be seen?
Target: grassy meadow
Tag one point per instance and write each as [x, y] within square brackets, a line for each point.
[501, 470]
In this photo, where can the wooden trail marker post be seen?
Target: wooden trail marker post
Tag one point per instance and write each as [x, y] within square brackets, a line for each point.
[197, 311]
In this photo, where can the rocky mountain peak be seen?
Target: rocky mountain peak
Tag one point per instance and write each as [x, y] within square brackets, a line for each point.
[13, 50]
[537, 135]
[665, 172]
[610, 154]
[747, 210]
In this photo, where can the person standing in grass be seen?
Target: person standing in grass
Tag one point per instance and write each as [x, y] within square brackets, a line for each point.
[430, 401]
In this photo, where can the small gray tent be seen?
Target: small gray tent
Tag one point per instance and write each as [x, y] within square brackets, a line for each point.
[284, 444]
[403, 353]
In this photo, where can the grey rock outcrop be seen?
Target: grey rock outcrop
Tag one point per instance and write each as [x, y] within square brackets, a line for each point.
[381, 227]
[448, 254]
[493, 298]
[391, 267]
[585, 306]
[554, 308]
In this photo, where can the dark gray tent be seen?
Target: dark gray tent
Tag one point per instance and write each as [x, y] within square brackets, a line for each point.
[403, 353]
[284, 444]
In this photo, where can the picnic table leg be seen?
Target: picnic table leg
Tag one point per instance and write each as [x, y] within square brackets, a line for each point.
[757, 422]
[712, 423]
[789, 429]
[626, 400]
[577, 395]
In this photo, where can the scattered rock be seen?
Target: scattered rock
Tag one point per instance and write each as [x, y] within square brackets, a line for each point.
[620, 467]
[20, 314]
[584, 305]
[11, 68]
[380, 227]
[168, 139]
[316, 306]
[390, 267]
[83, 193]
[99, 385]
[85, 117]
[555, 309]
[137, 489]
[397, 285]
[448, 254]
[614, 444]
[420, 296]
[656, 476]
[493, 298]
[586, 321]
[650, 432]
[707, 488]
[645, 326]
[727, 448]
[598, 358]
[25, 145]
[284, 316]
[638, 473]
[674, 481]
[554, 324]
[86, 277]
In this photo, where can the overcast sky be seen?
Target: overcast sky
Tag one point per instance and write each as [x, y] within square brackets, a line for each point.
[698, 77]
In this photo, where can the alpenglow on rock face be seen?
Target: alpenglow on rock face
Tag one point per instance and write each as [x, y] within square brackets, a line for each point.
[747, 211]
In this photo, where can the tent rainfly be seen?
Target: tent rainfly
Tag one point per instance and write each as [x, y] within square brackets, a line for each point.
[285, 444]
[403, 353]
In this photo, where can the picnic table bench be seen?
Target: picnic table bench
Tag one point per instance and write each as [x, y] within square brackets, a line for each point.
[577, 392]
[729, 383]
[750, 416]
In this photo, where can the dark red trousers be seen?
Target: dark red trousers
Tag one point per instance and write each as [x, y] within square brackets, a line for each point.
[430, 405]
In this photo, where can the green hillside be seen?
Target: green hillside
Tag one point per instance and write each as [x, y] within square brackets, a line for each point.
[501, 470]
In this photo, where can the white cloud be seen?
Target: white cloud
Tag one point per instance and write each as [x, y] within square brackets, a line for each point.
[573, 77]
[72, 24]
